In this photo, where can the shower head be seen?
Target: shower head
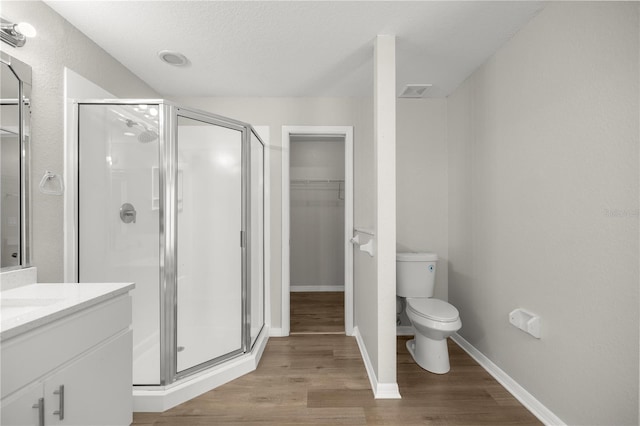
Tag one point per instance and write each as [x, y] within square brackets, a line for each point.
[146, 135]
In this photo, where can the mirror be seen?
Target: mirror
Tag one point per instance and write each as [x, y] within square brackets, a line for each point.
[15, 93]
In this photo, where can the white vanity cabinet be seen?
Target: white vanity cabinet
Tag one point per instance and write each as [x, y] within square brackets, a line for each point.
[72, 367]
[93, 393]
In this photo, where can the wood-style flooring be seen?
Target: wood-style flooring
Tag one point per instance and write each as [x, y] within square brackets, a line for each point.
[320, 379]
[317, 312]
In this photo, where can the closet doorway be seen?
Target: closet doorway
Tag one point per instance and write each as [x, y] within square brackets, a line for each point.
[317, 205]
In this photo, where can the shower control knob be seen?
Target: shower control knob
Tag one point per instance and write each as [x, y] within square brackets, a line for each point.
[128, 213]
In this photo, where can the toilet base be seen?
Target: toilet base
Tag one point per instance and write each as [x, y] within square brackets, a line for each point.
[431, 355]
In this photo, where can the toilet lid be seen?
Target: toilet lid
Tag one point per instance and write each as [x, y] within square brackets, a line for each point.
[433, 309]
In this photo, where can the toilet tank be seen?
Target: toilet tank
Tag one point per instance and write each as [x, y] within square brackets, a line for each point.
[415, 274]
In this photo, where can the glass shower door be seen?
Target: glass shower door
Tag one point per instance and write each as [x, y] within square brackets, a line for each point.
[209, 253]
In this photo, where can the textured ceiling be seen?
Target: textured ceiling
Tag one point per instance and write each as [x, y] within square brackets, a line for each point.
[291, 48]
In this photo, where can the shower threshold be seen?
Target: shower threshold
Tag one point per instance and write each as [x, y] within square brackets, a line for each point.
[157, 399]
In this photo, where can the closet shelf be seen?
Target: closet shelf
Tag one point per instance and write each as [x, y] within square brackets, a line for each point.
[307, 181]
[319, 184]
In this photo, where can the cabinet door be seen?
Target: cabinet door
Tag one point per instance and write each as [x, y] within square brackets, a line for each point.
[97, 387]
[17, 410]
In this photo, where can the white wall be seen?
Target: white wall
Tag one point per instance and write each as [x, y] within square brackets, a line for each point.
[278, 112]
[543, 208]
[58, 44]
[382, 320]
[317, 214]
[365, 278]
[421, 182]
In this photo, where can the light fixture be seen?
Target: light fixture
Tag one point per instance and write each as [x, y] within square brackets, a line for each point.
[173, 58]
[16, 34]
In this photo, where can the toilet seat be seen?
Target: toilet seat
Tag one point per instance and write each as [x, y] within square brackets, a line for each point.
[433, 309]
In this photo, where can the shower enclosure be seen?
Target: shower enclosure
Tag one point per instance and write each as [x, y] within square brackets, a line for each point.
[172, 199]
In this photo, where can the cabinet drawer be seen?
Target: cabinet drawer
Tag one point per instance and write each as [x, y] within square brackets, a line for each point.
[28, 357]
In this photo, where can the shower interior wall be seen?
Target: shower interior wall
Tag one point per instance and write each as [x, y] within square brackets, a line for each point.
[113, 168]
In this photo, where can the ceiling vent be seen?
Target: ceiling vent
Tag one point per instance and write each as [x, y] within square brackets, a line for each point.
[415, 90]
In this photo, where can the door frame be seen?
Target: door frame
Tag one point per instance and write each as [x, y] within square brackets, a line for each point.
[347, 132]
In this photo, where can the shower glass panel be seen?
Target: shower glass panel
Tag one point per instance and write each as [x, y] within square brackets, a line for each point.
[118, 157]
[257, 236]
[209, 255]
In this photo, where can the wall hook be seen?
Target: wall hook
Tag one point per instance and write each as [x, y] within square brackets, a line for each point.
[56, 182]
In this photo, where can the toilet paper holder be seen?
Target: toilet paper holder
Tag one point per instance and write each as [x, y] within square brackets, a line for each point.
[525, 321]
[365, 247]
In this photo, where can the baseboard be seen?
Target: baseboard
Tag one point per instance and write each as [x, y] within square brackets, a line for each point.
[315, 288]
[543, 414]
[380, 390]
[276, 332]
[161, 398]
[405, 330]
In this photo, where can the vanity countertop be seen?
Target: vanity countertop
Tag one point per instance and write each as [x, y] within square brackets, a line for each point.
[27, 307]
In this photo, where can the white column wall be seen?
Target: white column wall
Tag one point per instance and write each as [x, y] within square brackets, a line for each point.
[381, 322]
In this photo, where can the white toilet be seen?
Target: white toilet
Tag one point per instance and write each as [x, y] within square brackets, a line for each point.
[433, 319]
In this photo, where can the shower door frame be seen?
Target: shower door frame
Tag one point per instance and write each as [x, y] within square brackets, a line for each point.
[168, 237]
[171, 239]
